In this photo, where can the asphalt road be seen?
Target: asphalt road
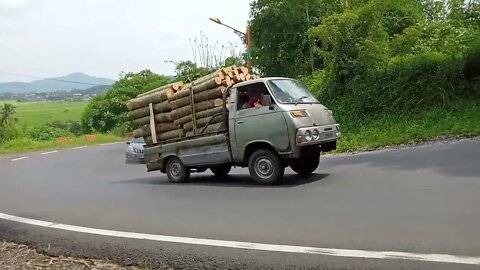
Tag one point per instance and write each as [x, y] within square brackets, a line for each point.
[418, 200]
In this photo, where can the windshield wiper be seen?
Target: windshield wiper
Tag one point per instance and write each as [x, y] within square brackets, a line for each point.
[300, 99]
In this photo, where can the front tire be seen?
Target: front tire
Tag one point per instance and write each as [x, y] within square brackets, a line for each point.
[221, 170]
[308, 162]
[177, 172]
[265, 167]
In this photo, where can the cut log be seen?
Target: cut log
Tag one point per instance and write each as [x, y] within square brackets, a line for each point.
[201, 106]
[244, 70]
[141, 112]
[175, 86]
[242, 77]
[201, 96]
[185, 92]
[201, 122]
[162, 107]
[159, 128]
[248, 77]
[155, 97]
[185, 101]
[163, 117]
[174, 134]
[216, 81]
[227, 82]
[201, 114]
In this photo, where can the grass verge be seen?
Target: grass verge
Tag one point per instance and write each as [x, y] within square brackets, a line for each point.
[462, 119]
[26, 145]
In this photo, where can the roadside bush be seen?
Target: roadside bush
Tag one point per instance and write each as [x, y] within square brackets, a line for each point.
[75, 127]
[10, 131]
[47, 133]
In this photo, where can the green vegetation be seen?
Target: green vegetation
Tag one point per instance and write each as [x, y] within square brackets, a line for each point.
[392, 71]
[27, 144]
[40, 113]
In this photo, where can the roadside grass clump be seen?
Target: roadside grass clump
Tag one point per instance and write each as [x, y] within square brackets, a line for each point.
[26, 144]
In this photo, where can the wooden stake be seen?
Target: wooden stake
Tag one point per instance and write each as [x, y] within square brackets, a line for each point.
[152, 124]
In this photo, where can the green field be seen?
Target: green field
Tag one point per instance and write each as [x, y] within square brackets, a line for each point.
[39, 113]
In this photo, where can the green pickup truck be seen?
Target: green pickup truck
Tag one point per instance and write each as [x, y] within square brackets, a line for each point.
[268, 125]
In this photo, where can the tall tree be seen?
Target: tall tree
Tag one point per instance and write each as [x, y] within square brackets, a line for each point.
[7, 114]
[279, 33]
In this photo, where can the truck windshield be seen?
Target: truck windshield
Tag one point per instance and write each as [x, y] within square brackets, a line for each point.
[291, 91]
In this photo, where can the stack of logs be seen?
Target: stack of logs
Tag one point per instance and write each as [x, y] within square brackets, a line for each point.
[172, 110]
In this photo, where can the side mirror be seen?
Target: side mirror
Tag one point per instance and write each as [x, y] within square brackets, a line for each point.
[127, 142]
[267, 101]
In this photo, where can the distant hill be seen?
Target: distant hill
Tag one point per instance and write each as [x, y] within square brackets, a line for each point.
[65, 83]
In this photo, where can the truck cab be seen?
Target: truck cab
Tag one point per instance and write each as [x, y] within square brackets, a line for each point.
[269, 124]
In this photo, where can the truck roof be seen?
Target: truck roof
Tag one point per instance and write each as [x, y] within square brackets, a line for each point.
[260, 80]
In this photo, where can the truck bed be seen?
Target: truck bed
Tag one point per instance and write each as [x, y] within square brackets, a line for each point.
[200, 150]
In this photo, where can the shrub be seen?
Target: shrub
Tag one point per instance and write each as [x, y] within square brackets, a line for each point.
[47, 133]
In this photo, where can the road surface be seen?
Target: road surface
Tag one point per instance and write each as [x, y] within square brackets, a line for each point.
[87, 202]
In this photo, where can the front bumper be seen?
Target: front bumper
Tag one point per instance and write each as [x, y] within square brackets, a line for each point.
[135, 157]
[317, 135]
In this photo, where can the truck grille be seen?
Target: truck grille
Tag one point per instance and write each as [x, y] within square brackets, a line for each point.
[138, 150]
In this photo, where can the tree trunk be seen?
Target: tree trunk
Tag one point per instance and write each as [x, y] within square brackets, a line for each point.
[244, 70]
[207, 85]
[160, 128]
[175, 86]
[201, 106]
[162, 107]
[163, 117]
[201, 122]
[178, 133]
[145, 111]
[201, 114]
[156, 97]
[182, 93]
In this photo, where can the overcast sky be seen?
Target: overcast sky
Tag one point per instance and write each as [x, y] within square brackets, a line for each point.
[49, 38]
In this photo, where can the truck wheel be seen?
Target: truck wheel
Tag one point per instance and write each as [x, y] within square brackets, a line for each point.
[307, 164]
[176, 171]
[221, 170]
[305, 167]
[265, 167]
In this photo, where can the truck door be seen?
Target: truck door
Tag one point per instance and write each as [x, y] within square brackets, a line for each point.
[256, 123]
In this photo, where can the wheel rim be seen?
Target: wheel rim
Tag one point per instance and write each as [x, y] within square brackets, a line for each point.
[175, 170]
[264, 167]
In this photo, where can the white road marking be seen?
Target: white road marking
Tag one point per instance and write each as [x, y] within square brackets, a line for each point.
[352, 253]
[50, 152]
[110, 143]
[20, 158]
[79, 147]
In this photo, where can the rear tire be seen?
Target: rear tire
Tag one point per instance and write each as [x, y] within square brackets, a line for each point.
[177, 172]
[221, 170]
[265, 167]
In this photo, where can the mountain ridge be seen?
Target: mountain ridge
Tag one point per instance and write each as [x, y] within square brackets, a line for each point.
[75, 80]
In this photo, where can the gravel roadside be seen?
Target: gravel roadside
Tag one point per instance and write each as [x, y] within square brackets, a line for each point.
[14, 256]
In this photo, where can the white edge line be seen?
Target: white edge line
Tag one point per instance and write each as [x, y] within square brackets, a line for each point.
[352, 253]
[79, 147]
[110, 143]
[20, 158]
[50, 152]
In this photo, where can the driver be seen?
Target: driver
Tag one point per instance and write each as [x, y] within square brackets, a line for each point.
[255, 100]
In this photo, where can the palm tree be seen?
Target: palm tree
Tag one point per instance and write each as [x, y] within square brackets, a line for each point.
[7, 114]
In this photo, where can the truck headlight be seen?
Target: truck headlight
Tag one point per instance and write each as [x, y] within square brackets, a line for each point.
[308, 135]
[130, 149]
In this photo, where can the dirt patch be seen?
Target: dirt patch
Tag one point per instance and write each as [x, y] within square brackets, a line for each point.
[15, 256]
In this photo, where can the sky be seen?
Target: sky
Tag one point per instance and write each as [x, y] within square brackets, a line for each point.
[50, 38]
